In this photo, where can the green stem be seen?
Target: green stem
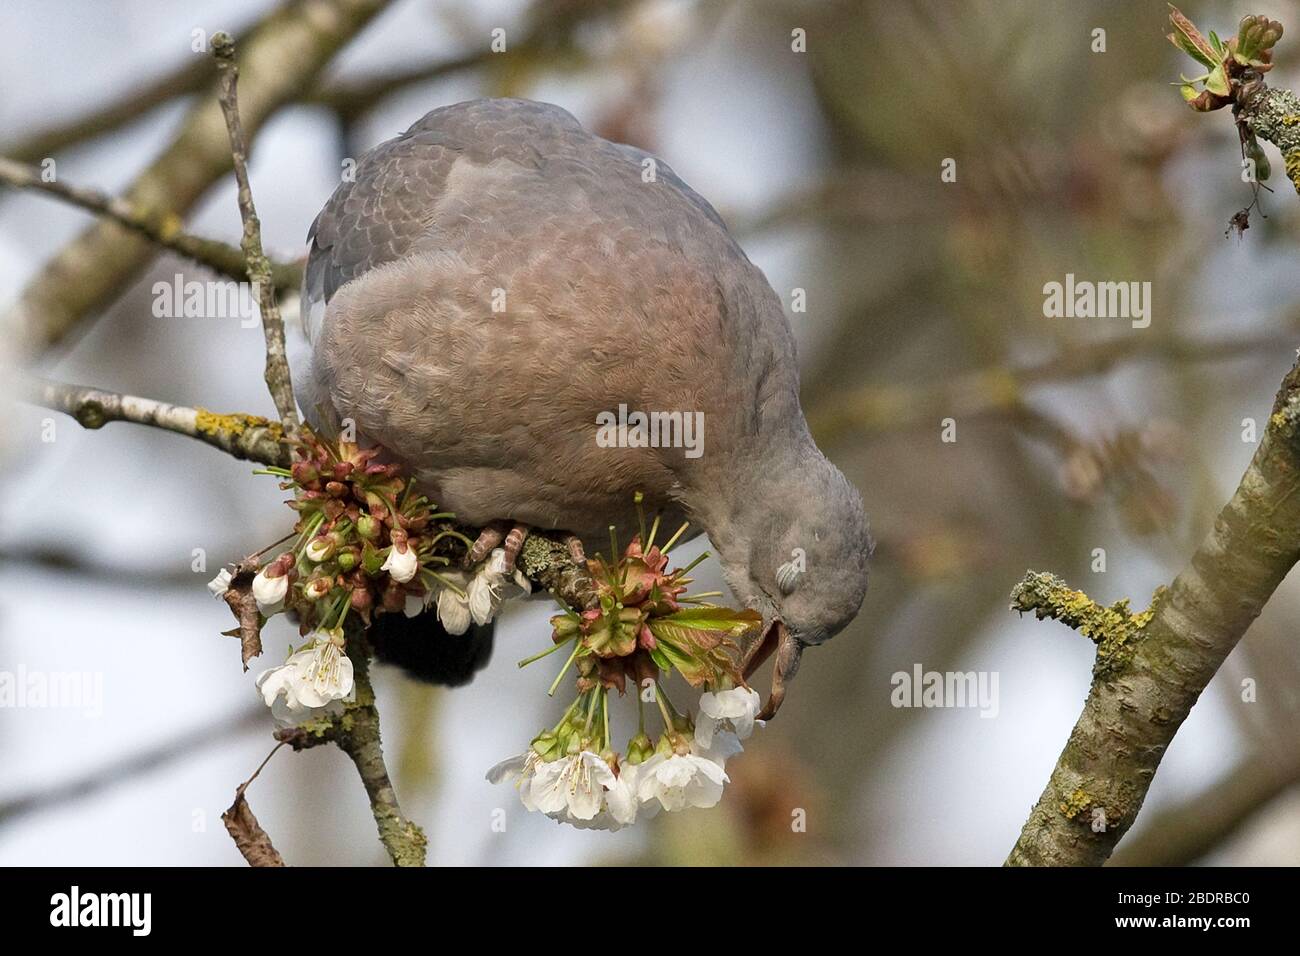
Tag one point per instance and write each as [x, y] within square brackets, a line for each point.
[538, 656]
[577, 645]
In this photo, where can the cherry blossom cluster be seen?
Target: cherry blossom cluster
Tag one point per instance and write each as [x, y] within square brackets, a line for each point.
[643, 629]
[364, 543]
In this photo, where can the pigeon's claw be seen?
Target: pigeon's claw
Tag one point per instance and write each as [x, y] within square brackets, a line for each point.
[788, 650]
[492, 536]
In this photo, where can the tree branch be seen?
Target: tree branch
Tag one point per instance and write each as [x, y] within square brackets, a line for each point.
[162, 228]
[1274, 115]
[1140, 697]
[1185, 832]
[259, 266]
[285, 53]
[247, 437]
[356, 732]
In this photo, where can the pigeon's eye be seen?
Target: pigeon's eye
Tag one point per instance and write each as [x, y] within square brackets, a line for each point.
[787, 576]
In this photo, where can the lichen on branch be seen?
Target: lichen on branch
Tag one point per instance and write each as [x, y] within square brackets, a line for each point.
[1114, 629]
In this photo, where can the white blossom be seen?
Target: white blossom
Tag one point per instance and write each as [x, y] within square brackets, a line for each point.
[483, 593]
[678, 781]
[269, 592]
[221, 583]
[314, 677]
[401, 565]
[492, 585]
[732, 710]
[519, 768]
[720, 749]
[318, 549]
[453, 607]
[415, 604]
[579, 788]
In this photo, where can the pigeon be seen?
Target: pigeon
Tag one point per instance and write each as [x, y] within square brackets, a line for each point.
[537, 324]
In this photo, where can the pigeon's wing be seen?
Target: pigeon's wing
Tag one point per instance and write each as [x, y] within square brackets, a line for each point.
[406, 195]
[402, 195]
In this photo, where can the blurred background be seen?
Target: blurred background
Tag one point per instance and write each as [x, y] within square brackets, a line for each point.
[924, 302]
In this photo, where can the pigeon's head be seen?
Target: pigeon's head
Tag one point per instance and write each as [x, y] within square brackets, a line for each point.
[805, 568]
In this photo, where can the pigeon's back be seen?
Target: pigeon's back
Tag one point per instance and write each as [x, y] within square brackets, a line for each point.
[496, 277]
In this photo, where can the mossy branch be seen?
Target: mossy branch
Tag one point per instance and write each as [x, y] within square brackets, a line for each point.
[247, 437]
[1274, 116]
[1152, 667]
[1115, 629]
[1160, 661]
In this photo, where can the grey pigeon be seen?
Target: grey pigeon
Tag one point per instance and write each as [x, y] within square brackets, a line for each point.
[496, 283]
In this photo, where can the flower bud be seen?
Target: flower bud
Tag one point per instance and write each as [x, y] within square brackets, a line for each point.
[269, 590]
[639, 749]
[394, 597]
[319, 549]
[318, 588]
[368, 527]
[564, 627]
[304, 472]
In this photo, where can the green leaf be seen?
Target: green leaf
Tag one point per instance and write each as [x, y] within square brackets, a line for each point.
[661, 659]
[1188, 39]
[1217, 82]
[709, 617]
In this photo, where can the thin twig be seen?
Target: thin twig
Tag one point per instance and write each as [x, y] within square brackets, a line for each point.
[162, 227]
[259, 266]
[356, 733]
[250, 839]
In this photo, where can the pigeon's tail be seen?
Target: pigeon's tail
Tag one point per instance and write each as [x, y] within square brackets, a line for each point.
[422, 647]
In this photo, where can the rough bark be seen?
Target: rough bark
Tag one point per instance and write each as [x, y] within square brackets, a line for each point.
[1138, 702]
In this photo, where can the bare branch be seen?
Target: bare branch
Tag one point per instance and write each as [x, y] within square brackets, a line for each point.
[356, 732]
[259, 266]
[162, 228]
[285, 52]
[248, 437]
[1161, 660]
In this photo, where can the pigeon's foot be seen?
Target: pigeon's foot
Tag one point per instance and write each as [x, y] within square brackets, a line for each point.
[513, 534]
[574, 544]
[788, 651]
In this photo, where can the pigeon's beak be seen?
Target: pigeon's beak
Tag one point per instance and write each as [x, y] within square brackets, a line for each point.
[777, 638]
